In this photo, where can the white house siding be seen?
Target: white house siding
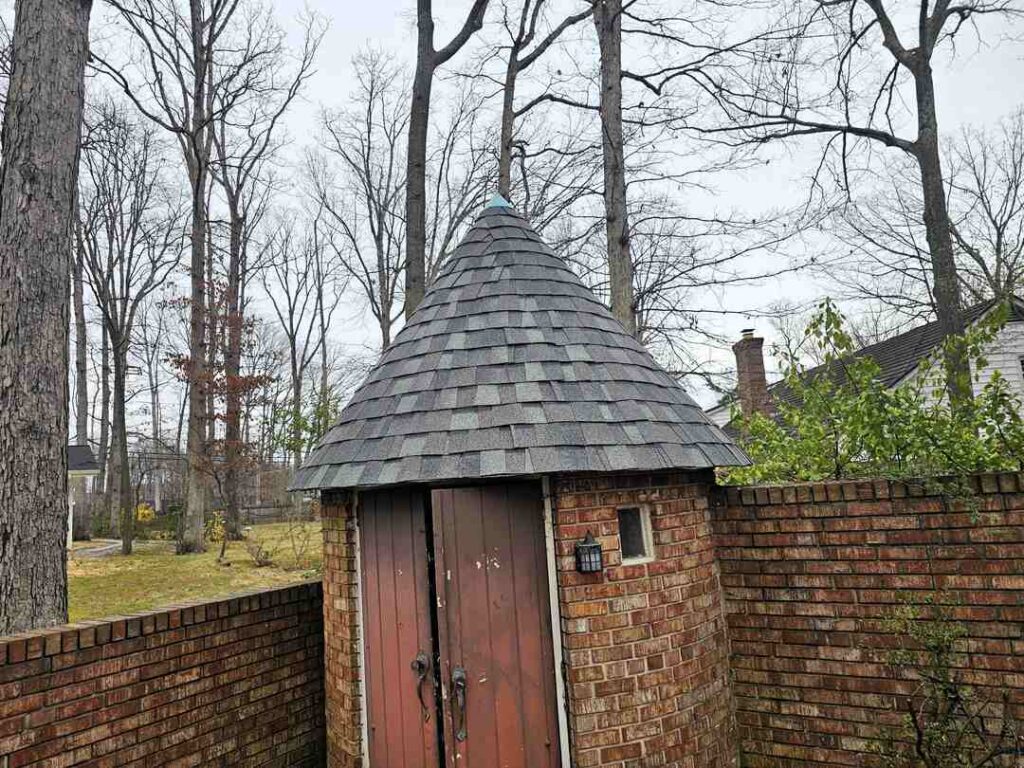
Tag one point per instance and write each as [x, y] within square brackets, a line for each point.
[1005, 354]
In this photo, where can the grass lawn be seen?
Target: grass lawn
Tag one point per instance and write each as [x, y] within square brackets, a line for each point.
[153, 576]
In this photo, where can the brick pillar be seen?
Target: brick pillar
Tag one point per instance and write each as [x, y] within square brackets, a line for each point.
[645, 644]
[341, 631]
[751, 382]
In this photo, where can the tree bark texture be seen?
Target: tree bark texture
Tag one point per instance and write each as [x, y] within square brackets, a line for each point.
[608, 21]
[428, 59]
[81, 522]
[121, 479]
[191, 539]
[945, 280]
[38, 177]
[416, 163]
[232, 371]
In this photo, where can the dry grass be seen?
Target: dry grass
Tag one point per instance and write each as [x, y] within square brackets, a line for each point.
[154, 576]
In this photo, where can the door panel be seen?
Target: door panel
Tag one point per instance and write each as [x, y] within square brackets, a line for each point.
[397, 627]
[494, 623]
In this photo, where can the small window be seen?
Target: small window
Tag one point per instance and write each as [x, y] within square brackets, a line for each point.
[635, 534]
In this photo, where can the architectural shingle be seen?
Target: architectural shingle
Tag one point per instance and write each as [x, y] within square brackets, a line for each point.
[511, 366]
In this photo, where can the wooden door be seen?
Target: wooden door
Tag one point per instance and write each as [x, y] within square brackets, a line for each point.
[401, 707]
[494, 627]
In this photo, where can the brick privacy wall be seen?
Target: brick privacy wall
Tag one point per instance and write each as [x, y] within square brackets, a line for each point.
[341, 631]
[645, 645]
[809, 572]
[233, 682]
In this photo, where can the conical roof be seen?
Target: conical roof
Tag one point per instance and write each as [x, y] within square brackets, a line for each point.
[511, 366]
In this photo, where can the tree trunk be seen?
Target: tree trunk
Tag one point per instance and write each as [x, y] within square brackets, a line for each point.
[81, 363]
[416, 163]
[508, 124]
[38, 177]
[608, 20]
[191, 539]
[123, 509]
[296, 414]
[103, 448]
[945, 280]
[81, 521]
[233, 395]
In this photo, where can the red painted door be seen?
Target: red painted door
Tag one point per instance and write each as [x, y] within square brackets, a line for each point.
[396, 595]
[494, 628]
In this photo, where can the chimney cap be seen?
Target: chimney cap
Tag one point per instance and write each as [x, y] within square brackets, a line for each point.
[748, 333]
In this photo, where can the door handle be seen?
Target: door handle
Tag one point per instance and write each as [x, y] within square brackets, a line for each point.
[421, 666]
[459, 696]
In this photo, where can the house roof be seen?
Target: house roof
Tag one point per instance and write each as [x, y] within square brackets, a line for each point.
[898, 356]
[81, 460]
[511, 366]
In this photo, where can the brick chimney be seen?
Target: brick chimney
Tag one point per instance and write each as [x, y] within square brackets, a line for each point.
[751, 384]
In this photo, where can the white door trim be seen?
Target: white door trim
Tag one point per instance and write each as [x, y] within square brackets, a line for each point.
[556, 622]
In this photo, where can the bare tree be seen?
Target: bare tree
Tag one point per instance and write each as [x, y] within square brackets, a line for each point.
[428, 60]
[303, 306]
[358, 180]
[608, 21]
[528, 42]
[837, 69]
[37, 207]
[196, 61]
[132, 237]
[247, 140]
[887, 257]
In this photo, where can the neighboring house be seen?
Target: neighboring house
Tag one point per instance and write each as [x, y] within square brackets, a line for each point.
[81, 466]
[899, 360]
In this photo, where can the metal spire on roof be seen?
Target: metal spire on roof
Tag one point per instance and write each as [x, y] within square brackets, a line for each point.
[499, 202]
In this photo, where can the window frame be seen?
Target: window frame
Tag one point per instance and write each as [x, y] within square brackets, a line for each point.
[646, 530]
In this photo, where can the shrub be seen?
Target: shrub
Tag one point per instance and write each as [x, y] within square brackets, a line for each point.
[948, 724]
[845, 423]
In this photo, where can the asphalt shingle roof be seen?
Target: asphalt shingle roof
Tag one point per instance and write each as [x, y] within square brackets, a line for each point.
[897, 357]
[511, 366]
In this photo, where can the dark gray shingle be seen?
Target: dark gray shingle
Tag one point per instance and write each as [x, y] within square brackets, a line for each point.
[511, 366]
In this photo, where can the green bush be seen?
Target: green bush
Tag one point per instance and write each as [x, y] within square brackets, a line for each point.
[851, 425]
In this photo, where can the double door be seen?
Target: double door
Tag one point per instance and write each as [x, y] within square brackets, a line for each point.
[458, 657]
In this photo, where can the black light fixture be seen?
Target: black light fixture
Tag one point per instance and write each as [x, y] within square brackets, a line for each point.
[588, 555]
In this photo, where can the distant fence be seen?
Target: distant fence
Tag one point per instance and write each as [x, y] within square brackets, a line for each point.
[811, 571]
[237, 681]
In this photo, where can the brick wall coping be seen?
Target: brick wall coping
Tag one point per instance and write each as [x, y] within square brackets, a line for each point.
[66, 638]
[863, 490]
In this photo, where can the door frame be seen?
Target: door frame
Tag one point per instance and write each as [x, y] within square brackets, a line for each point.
[561, 700]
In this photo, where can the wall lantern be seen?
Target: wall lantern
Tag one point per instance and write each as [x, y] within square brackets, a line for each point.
[588, 555]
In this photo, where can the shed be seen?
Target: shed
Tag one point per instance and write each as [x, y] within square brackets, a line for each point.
[518, 567]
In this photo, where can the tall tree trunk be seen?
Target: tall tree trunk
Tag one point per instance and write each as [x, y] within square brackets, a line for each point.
[123, 509]
[296, 413]
[416, 163]
[232, 368]
[945, 280]
[508, 118]
[81, 362]
[81, 522]
[191, 538]
[103, 447]
[608, 20]
[38, 177]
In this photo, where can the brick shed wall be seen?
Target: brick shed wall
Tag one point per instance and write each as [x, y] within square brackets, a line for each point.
[233, 682]
[810, 570]
[645, 645]
[341, 631]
